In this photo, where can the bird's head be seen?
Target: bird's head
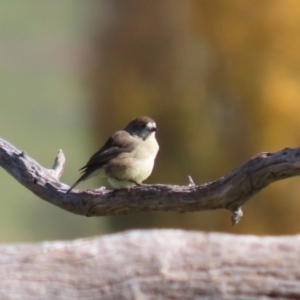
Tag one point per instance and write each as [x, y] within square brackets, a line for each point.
[141, 127]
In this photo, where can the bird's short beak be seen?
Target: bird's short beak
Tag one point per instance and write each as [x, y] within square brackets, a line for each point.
[153, 129]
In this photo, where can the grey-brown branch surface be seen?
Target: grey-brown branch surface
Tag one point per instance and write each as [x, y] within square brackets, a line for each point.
[156, 264]
[230, 191]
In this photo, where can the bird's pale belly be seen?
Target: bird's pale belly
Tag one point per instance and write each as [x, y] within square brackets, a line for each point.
[136, 170]
[126, 172]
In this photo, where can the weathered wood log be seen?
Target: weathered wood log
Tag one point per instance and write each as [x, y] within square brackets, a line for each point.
[157, 264]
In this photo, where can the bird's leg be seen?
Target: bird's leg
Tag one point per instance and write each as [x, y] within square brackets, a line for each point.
[136, 183]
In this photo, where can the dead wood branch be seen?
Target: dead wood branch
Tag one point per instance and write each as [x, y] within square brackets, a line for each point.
[157, 264]
[230, 191]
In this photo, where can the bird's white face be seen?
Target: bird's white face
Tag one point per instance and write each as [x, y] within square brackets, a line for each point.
[149, 130]
[151, 126]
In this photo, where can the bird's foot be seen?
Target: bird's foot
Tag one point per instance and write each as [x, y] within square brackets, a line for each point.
[100, 189]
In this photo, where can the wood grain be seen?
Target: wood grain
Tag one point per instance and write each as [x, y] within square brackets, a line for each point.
[156, 264]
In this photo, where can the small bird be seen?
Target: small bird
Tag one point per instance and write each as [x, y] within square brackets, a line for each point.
[127, 157]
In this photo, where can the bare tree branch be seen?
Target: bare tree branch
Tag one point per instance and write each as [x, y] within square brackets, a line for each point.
[229, 192]
[156, 264]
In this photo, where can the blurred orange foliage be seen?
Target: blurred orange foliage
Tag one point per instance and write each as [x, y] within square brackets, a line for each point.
[222, 80]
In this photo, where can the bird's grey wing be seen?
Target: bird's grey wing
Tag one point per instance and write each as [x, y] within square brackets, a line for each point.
[120, 142]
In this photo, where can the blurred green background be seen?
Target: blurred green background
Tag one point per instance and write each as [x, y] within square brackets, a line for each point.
[222, 80]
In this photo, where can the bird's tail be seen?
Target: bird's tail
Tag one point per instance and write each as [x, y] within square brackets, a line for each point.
[75, 184]
[84, 176]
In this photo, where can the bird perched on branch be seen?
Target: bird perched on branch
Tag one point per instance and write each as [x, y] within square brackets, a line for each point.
[127, 157]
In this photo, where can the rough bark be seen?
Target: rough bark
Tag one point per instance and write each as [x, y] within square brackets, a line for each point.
[230, 191]
[158, 264]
